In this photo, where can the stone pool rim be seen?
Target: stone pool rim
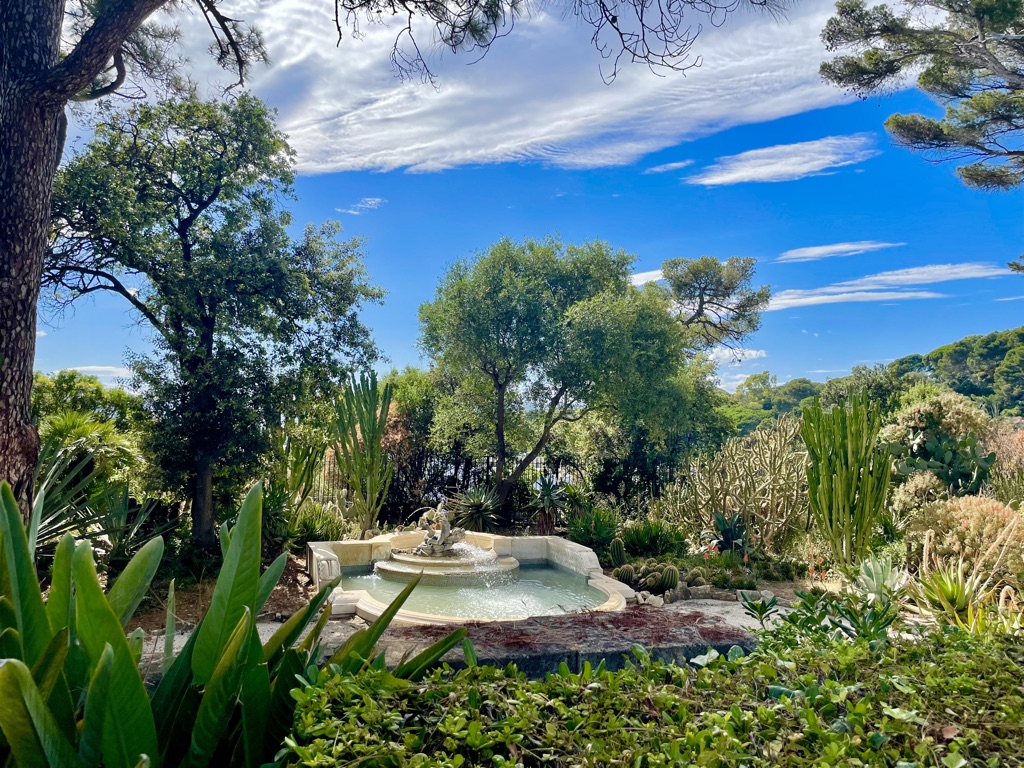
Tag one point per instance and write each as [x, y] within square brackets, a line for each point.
[325, 559]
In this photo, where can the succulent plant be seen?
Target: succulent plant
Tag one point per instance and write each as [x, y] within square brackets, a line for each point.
[669, 579]
[617, 550]
[652, 582]
[626, 574]
[694, 575]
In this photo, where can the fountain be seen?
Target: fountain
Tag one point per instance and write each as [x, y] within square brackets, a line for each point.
[463, 575]
[443, 558]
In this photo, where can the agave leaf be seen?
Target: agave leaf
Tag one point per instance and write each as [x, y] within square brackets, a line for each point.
[236, 590]
[90, 744]
[418, 665]
[20, 580]
[221, 693]
[133, 583]
[128, 728]
[29, 728]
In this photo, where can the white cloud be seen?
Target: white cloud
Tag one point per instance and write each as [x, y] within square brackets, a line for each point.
[726, 356]
[829, 370]
[646, 277]
[1011, 298]
[40, 334]
[669, 167]
[886, 286]
[788, 162]
[108, 374]
[816, 252]
[538, 95]
[366, 204]
[729, 381]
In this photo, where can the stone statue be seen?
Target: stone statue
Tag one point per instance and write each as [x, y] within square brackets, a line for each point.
[440, 536]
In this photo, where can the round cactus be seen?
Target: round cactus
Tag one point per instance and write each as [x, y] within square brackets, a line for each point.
[626, 574]
[669, 579]
[693, 575]
[617, 550]
[652, 581]
[698, 582]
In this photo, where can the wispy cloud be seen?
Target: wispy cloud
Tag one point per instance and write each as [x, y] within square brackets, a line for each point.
[538, 96]
[788, 162]
[40, 334]
[366, 204]
[817, 252]
[726, 356]
[669, 167]
[108, 374]
[829, 370]
[646, 277]
[887, 286]
[1011, 298]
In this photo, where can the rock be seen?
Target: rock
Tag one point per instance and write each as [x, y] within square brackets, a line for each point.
[748, 594]
[767, 594]
[668, 597]
[702, 592]
[656, 601]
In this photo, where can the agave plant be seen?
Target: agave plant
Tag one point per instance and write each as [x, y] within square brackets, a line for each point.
[879, 580]
[478, 509]
[549, 501]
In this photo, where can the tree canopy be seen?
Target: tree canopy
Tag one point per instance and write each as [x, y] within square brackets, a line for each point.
[967, 56]
[543, 332]
[176, 207]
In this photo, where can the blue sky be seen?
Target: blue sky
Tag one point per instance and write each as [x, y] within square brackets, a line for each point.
[872, 252]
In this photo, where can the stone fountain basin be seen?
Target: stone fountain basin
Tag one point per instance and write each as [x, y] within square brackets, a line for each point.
[445, 571]
[327, 559]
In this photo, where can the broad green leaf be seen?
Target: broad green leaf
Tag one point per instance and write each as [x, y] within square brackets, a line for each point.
[236, 590]
[90, 744]
[20, 579]
[420, 664]
[128, 729]
[470, 652]
[268, 580]
[171, 692]
[10, 643]
[221, 694]
[29, 728]
[255, 711]
[281, 715]
[133, 583]
[58, 602]
[289, 632]
[34, 519]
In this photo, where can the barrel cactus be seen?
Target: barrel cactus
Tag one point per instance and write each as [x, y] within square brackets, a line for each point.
[626, 574]
[669, 579]
[617, 551]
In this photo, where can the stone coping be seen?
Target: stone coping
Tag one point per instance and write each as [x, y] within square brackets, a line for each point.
[327, 559]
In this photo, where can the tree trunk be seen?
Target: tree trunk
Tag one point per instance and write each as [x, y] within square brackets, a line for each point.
[31, 140]
[203, 533]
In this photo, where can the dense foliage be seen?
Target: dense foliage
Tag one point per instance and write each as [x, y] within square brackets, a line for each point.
[807, 695]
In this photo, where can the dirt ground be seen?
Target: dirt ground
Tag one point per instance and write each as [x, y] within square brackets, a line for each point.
[190, 602]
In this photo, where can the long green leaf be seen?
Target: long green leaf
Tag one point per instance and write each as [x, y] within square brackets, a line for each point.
[420, 664]
[359, 647]
[129, 731]
[20, 577]
[170, 694]
[237, 587]
[289, 632]
[255, 712]
[281, 713]
[221, 694]
[90, 744]
[268, 580]
[29, 728]
[58, 602]
[170, 629]
[134, 582]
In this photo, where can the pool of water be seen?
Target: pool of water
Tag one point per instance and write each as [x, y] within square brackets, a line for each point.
[539, 591]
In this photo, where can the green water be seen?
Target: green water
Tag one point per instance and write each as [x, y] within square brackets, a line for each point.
[539, 591]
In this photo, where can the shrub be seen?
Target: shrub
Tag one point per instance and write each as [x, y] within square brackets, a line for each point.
[967, 527]
[760, 476]
[595, 527]
[908, 500]
[319, 522]
[826, 700]
[652, 537]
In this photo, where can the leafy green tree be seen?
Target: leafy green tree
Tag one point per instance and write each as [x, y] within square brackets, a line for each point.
[882, 385]
[715, 300]
[967, 56]
[175, 207]
[755, 391]
[544, 332]
[55, 52]
[71, 390]
[1009, 379]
